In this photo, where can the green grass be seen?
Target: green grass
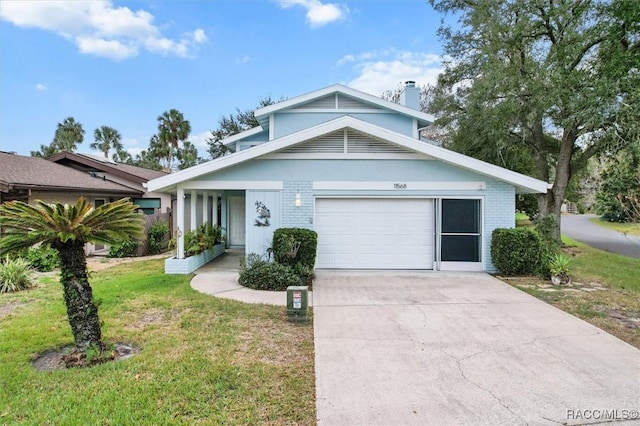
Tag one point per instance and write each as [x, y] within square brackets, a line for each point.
[614, 307]
[202, 360]
[523, 220]
[615, 270]
[625, 228]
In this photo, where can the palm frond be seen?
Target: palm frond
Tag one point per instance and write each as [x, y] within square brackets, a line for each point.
[24, 225]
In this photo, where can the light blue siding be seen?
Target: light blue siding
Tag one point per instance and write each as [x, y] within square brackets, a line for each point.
[346, 170]
[499, 212]
[258, 238]
[297, 216]
[289, 123]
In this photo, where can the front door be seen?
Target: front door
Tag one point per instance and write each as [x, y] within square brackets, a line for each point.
[237, 221]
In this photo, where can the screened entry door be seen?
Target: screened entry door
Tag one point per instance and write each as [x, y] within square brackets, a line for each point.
[460, 234]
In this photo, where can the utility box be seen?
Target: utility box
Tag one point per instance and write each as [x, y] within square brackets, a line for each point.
[298, 303]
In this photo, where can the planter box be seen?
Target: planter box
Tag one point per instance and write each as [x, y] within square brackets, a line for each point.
[189, 264]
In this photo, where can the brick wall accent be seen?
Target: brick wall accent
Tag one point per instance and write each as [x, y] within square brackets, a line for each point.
[499, 212]
[297, 216]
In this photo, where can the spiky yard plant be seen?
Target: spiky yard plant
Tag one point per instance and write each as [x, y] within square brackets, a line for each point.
[67, 227]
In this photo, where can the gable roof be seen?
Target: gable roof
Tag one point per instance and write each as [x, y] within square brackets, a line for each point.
[90, 162]
[262, 114]
[523, 183]
[20, 172]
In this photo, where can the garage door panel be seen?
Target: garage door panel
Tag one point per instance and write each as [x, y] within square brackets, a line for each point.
[372, 233]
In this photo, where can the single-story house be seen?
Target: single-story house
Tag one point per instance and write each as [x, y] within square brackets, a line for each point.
[31, 178]
[354, 168]
[127, 175]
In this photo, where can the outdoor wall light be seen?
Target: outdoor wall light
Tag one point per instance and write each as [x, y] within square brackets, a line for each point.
[298, 201]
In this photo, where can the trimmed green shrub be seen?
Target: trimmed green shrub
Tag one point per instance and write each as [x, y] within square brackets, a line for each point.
[259, 274]
[42, 258]
[156, 235]
[295, 245]
[15, 275]
[516, 251]
[124, 249]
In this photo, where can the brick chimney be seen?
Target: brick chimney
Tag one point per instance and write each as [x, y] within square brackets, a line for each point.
[410, 95]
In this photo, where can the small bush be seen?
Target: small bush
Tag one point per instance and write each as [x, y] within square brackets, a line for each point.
[527, 203]
[516, 251]
[124, 249]
[259, 274]
[545, 225]
[203, 238]
[156, 235]
[295, 245]
[42, 258]
[15, 275]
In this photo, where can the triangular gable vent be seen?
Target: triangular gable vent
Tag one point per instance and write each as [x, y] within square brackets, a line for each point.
[345, 141]
[336, 101]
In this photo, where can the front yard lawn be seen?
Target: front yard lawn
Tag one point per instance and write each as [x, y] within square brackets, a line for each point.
[625, 228]
[605, 290]
[201, 360]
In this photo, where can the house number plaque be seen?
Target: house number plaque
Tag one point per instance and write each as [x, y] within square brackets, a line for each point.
[399, 186]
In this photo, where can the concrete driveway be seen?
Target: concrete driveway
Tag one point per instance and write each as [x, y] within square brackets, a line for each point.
[461, 349]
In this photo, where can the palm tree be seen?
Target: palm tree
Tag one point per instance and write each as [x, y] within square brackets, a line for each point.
[107, 138]
[67, 228]
[68, 135]
[187, 156]
[173, 129]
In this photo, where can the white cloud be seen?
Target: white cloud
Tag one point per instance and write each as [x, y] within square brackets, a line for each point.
[378, 71]
[318, 13]
[200, 141]
[41, 87]
[243, 60]
[199, 36]
[111, 49]
[134, 151]
[99, 28]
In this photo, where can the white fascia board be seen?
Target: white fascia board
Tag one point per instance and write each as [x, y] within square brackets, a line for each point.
[242, 135]
[398, 186]
[167, 182]
[517, 179]
[348, 91]
[221, 185]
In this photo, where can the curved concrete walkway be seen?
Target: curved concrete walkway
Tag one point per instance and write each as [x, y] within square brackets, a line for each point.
[580, 227]
[219, 278]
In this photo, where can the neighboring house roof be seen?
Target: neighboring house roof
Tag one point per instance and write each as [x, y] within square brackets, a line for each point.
[92, 163]
[262, 114]
[20, 172]
[523, 184]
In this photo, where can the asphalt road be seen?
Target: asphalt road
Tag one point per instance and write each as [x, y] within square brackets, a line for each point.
[580, 228]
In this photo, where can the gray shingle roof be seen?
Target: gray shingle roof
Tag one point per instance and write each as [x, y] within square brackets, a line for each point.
[98, 162]
[22, 172]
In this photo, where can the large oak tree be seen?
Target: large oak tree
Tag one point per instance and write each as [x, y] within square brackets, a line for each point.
[546, 84]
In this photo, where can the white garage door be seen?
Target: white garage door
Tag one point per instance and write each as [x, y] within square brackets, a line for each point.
[374, 233]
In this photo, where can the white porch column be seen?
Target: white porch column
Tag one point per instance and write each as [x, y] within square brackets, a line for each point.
[214, 209]
[180, 223]
[205, 207]
[194, 204]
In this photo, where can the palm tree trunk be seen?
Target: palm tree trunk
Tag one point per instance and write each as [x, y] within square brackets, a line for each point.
[81, 309]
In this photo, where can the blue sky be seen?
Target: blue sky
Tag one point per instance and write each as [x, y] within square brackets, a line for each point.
[122, 63]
